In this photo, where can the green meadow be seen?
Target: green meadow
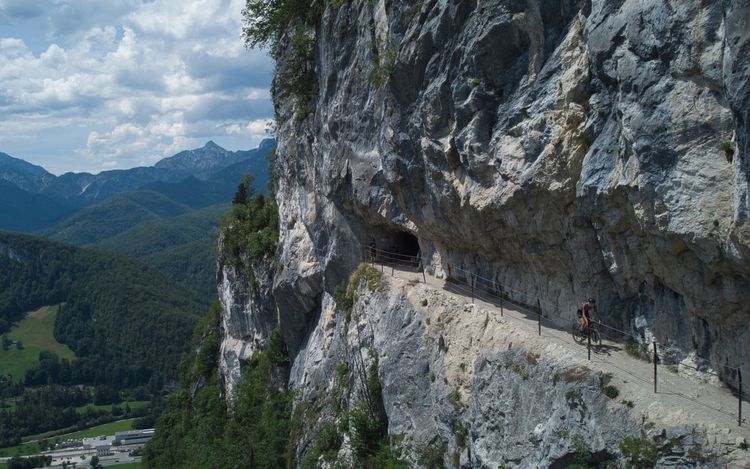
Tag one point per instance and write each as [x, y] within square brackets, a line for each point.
[35, 332]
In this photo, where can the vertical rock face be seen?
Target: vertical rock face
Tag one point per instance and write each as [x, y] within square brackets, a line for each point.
[563, 148]
[248, 315]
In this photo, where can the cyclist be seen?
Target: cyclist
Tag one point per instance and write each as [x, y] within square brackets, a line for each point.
[584, 316]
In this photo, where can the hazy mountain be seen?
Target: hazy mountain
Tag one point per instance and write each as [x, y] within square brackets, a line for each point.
[24, 175]
[182, 247]
[23, 211]
[205, 162]
[81, 189]
[112, 216]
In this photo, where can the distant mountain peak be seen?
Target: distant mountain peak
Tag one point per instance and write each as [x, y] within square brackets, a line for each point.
[23, 174]
[203, 162]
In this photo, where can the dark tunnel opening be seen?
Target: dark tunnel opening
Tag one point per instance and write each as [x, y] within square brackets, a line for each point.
[395, 246]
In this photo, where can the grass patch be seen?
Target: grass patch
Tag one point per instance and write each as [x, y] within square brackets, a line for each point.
[346, 296]
[627, 403]
[23, 449]
[641, 452]
[35, 332]
[637, 350]
[128, 465]
[728, 149]
[134, 405]
[610, 391]
[106, 429]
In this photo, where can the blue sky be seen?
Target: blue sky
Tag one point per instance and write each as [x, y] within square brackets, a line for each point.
[91, 85]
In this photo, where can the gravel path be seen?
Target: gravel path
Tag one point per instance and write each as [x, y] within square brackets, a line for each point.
[681, 398]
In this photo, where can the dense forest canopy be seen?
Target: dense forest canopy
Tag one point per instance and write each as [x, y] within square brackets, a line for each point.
[128, 322]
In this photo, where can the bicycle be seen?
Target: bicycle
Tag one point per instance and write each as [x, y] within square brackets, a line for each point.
[581, 337]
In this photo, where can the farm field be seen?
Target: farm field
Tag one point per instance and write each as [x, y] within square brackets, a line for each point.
[35, 332]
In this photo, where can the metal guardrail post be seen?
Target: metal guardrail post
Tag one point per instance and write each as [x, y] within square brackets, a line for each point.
[539, 315]
[739, 397]
[656, 358]
[588, 334]
[501, 301]
[471, 279]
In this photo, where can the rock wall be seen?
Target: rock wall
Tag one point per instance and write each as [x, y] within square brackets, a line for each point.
[248, 314]
[564, 148]
[477, 389]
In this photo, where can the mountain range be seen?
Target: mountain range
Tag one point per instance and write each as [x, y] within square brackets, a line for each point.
[31, 198]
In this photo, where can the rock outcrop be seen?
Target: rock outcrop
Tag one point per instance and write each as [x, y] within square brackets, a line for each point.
[563, 148]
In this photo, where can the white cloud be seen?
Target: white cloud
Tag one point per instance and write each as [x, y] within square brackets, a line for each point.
[133, 79]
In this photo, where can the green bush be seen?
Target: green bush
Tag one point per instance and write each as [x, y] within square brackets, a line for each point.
[637, 350]
[727, 146]
[640, 452]
[382, 65]
[583, 451]
[327, 444]
[267, 20]
[250, 229]
[610, 391]
[455, 400]
[195, 429]
[520, 371]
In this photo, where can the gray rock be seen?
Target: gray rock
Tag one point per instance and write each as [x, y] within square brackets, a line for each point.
[562, 148]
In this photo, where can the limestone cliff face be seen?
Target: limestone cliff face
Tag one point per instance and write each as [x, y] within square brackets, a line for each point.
[563, 148]
[248, 314]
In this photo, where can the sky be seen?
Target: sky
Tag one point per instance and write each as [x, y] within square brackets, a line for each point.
[93, 85]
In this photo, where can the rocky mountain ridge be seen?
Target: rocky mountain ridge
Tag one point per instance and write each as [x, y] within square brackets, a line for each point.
[84, 188]
[562, 148]
[186, 175]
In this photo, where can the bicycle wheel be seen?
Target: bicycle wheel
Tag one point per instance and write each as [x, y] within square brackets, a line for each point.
[578, 336]
[595, 338]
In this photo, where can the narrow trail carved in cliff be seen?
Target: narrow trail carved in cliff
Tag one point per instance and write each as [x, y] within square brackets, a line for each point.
[680, 399]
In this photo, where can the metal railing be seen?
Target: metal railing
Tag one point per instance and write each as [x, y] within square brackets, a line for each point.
[470, 284]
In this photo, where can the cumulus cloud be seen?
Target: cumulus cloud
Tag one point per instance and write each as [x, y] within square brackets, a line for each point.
[132, 80]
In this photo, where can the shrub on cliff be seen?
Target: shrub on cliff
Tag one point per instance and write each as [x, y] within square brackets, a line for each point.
[250, 229]
[266, 20]
[196, 430]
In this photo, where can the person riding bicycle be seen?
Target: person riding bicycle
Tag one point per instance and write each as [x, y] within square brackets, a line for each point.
[584, 316]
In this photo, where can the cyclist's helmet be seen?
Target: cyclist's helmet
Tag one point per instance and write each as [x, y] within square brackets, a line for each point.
[591, 301]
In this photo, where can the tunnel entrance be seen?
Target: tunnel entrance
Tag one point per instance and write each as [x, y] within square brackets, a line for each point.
[405, 244]
[395, 247]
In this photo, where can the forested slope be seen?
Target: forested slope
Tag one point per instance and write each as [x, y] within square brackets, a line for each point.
[127, 323]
